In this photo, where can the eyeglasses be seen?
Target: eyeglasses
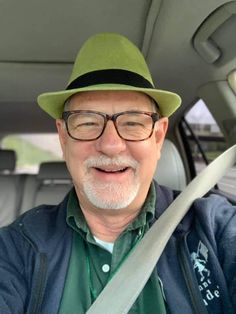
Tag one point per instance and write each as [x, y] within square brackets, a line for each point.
[86, 125]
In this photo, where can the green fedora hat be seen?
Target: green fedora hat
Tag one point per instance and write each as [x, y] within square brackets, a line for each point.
[109, 62]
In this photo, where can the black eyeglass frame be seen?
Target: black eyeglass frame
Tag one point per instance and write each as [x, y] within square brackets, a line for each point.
[66, 114]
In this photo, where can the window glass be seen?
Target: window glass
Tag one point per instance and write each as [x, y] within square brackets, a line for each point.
[207, 142]
[33, 149]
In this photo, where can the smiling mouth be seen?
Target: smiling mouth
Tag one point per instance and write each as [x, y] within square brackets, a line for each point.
[120, 170]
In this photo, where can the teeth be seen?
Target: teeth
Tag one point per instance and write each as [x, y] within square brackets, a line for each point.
[112, 170]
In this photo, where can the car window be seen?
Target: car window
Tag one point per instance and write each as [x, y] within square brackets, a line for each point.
[206, 142]
[32, 149]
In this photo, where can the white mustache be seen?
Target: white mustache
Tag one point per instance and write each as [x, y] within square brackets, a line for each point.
[103, 161]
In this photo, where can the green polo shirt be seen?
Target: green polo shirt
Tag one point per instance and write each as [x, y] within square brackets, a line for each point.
[91, 266]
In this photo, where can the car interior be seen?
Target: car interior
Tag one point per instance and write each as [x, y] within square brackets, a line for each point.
[190, 48]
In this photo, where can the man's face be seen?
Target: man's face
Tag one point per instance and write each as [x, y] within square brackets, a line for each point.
[111, 173]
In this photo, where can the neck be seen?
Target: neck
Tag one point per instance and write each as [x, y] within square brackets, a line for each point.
[108, 227]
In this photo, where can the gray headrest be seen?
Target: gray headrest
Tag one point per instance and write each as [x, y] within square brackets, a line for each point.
[7, 160]
[55, 170]
[170, 169]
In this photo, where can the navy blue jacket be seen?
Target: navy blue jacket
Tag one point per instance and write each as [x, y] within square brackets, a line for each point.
[197, 268]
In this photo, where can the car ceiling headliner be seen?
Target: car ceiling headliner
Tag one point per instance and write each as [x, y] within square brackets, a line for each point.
[40, 39]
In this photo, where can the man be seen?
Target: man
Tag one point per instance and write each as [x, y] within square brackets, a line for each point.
[112, 123]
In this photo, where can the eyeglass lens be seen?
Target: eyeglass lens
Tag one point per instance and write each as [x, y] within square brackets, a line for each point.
[130, 126]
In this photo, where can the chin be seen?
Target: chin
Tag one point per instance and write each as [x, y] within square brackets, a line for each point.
[111, 195]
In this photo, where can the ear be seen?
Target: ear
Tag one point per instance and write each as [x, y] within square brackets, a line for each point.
[160, 130]
[62, 133]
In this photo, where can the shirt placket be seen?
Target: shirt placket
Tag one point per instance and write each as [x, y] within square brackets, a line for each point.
[98, 267]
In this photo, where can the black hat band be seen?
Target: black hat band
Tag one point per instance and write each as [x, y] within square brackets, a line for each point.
[113, 76]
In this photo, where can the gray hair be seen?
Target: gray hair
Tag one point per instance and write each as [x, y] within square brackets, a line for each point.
[67, 104]
[154, 104]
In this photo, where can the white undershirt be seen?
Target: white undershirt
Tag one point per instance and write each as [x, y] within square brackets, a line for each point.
[106, 245]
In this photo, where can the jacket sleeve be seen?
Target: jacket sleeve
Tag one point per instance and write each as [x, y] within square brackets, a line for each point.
[13, 286]
[218, 218]
[226, 239]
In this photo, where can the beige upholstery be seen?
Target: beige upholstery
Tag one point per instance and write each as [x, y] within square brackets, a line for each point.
[10, 197]
[9, 186]
[49, 187]
[170, 169]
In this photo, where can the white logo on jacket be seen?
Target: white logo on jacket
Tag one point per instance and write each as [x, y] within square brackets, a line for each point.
[200, 259]
[203, 274]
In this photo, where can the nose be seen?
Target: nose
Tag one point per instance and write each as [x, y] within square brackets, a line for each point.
[110, 143]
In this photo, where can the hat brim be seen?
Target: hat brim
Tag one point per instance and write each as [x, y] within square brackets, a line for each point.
[53, 103]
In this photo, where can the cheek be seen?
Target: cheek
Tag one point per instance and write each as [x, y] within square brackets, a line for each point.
[146, 153]
[75, 153]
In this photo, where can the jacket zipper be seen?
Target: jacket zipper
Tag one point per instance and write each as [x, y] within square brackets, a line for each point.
[34, 307]
[190, 280]
[40, 281]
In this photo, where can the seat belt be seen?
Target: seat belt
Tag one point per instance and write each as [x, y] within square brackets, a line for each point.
[123, 289]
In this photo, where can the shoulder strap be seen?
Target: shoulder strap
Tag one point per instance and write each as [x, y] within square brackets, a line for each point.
[121, 292]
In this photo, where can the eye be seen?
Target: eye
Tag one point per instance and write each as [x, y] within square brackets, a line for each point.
[84, 121]
[84, 124]
[132, 123]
